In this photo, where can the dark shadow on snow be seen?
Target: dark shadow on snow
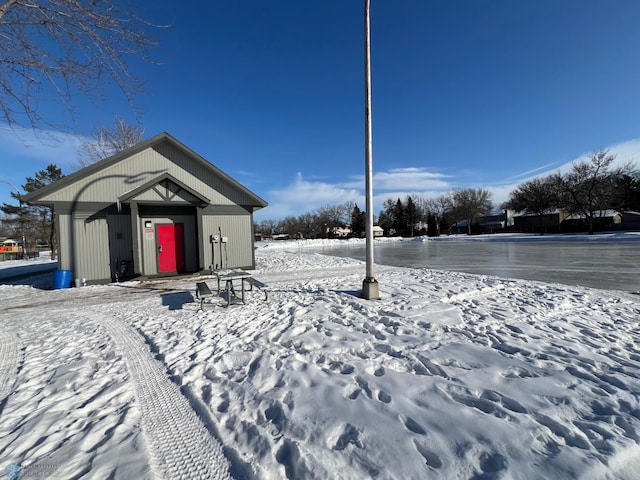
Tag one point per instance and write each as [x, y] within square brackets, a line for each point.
[176, 300]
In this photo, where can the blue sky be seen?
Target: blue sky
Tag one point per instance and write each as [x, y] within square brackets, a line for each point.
[467, 93]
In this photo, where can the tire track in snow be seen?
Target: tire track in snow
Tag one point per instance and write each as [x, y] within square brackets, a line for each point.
[180, 445]
[10, 358]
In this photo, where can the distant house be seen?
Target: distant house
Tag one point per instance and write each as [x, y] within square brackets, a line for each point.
[532, 223]
[561, 221]
[492, 223]
[496, 222]
[158, 206]
[378, 231]
[629, 221]
[603, 220]
[339, 232]
[263, 237]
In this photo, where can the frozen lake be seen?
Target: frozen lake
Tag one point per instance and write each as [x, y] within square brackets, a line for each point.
[611, 265]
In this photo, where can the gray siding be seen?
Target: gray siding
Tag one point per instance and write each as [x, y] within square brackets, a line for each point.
[238, 251]
[91, 247]
[63, 226]
[128, 174]
[96, 241]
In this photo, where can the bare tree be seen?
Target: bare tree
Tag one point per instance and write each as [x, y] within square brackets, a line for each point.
[108, 141]
[442, 209]
[334, 215]
[537, 196]
[589, 187]
[62, 48]
[470, 203]
[266, 227]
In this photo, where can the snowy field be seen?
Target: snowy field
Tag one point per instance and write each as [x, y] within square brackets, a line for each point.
[448, 376]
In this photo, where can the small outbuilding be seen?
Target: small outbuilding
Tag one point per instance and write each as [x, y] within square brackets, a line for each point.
[157, 208]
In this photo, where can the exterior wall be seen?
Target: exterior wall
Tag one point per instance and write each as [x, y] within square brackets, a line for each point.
[97, 241]
[63, 229]
[238, 251]
[91, 247]
[100, 242]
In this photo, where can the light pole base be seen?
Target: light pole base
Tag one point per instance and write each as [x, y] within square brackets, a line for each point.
[370, 290]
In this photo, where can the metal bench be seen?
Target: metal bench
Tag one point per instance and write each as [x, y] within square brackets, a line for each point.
[263, 287]
[203, 292]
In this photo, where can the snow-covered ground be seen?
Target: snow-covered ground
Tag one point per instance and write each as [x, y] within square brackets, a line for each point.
[448, 375]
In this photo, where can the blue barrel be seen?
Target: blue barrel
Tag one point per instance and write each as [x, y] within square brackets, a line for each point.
[61, 279]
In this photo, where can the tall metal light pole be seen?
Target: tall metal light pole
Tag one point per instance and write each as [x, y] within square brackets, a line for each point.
[370, 290]
[24, 246]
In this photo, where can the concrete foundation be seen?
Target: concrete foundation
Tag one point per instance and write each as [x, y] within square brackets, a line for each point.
[370, 290]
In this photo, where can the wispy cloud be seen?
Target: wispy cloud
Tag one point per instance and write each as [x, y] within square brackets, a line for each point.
[24, 152]
[302, 196]
[624, 152]
[42, 146]
[523, 176]
[411, 179]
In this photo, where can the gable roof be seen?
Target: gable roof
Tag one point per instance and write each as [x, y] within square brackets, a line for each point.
[164, 178]
[152, 142]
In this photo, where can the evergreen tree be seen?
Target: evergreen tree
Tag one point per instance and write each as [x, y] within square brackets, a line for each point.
[433, 229]
[411, 214]
[626, 192]
[358, 222]
[399, 218]
[35, 222]
[386, 217]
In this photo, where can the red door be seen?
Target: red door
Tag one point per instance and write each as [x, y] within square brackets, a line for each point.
[170, 248]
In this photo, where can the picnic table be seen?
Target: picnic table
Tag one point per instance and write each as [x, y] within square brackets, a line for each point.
[228, 277]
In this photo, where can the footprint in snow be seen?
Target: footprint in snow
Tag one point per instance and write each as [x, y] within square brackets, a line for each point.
[492, 465]
[355, 394]
[431, 458]
[350, 436]
[384, 397]
[343, 368]
[413, 426]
